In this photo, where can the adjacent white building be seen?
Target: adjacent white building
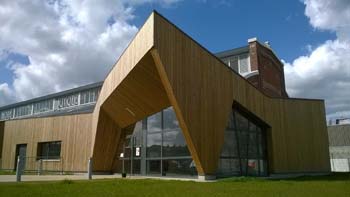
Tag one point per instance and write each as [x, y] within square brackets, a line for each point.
[339, 147]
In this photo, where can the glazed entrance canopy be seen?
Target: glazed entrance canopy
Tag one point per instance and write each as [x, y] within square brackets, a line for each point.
[163, 67]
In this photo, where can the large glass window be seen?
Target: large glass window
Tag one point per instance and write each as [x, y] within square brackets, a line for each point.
[229, 148]
[154, 122]
[163, 149]
[154, 143]
[244, 149]
[229, 167]
[68, 101]
[234, 63]
[169, 119]
[239, 63]
[244, 64]
[23, 110]
[51, 104]
[49, 150]
[6, 114]
[89, 96]
[179, 166]
[153, 167]
[174, 144]
[43, 106]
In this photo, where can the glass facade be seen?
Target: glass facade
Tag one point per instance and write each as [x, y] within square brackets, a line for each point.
[244, 150]
[43, 106]
[66, 101]
[89, 96]
[158, 148]
[23, 110]
[6, 114]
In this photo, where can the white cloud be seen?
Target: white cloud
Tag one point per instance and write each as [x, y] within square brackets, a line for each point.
[325, 72]
[68, 42]
[6, 92]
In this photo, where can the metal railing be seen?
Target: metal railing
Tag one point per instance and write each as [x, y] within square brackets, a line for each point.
[44, 165]
[41, 165]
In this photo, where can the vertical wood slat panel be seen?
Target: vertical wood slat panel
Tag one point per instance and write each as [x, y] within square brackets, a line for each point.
[204, 90]
[74, 132]
[198, 79]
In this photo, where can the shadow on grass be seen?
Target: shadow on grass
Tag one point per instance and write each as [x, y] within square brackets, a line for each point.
[334, 176]
[67, 181]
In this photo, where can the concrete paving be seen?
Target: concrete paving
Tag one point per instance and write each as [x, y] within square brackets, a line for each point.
[34, 178]
[12, 178]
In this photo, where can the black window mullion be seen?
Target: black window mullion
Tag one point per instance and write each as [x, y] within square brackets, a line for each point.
[257, 148]
[247, 150]
[238, 141]
[161, 144]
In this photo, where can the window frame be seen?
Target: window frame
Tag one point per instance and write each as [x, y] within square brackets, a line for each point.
[47, 157]
[248, 64]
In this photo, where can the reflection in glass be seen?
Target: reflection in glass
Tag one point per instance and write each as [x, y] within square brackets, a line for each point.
[154, 142]
[229, 167]
[136, 163]
[179, 166]
[253, 167]
[170, 120]
[229, 148]
[161, 146]
[137, 135]
[244, 148]
[174, 144]
[154, 122]
[242, 122]
[234, 63]
[153, 166]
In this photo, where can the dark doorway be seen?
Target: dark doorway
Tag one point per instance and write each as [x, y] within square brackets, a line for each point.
[21, 150]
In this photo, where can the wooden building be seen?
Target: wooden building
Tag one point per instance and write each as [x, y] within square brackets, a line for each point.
[170, 107]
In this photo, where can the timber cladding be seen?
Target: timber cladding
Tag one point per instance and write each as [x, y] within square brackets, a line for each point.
[2, 123]
[74, 131]
[202, 90]
[298, 127]
[164, 67]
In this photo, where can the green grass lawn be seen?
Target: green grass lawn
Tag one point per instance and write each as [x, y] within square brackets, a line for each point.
[7, 172]
[336, 185]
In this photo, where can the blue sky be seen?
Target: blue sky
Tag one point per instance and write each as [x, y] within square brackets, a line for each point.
[50, 46]
[5, 73]
[229, 25]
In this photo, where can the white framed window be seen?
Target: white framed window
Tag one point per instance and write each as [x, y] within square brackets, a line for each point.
[89, 96]
[43, 106]
[240, 63]
[68, 101]
[233, 63]
[6, 114]
[23, 110]
[244, 64]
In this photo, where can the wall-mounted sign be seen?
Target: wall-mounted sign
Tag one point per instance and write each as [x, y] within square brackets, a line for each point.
[137, 151]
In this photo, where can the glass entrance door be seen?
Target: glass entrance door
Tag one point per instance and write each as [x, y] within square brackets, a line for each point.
[157, 147]
[132, 156]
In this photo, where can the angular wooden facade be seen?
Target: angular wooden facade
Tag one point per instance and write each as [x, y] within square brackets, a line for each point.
[72, 130]
[164, 67]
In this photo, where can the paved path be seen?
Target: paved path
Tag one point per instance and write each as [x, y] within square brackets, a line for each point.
[12, 178]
